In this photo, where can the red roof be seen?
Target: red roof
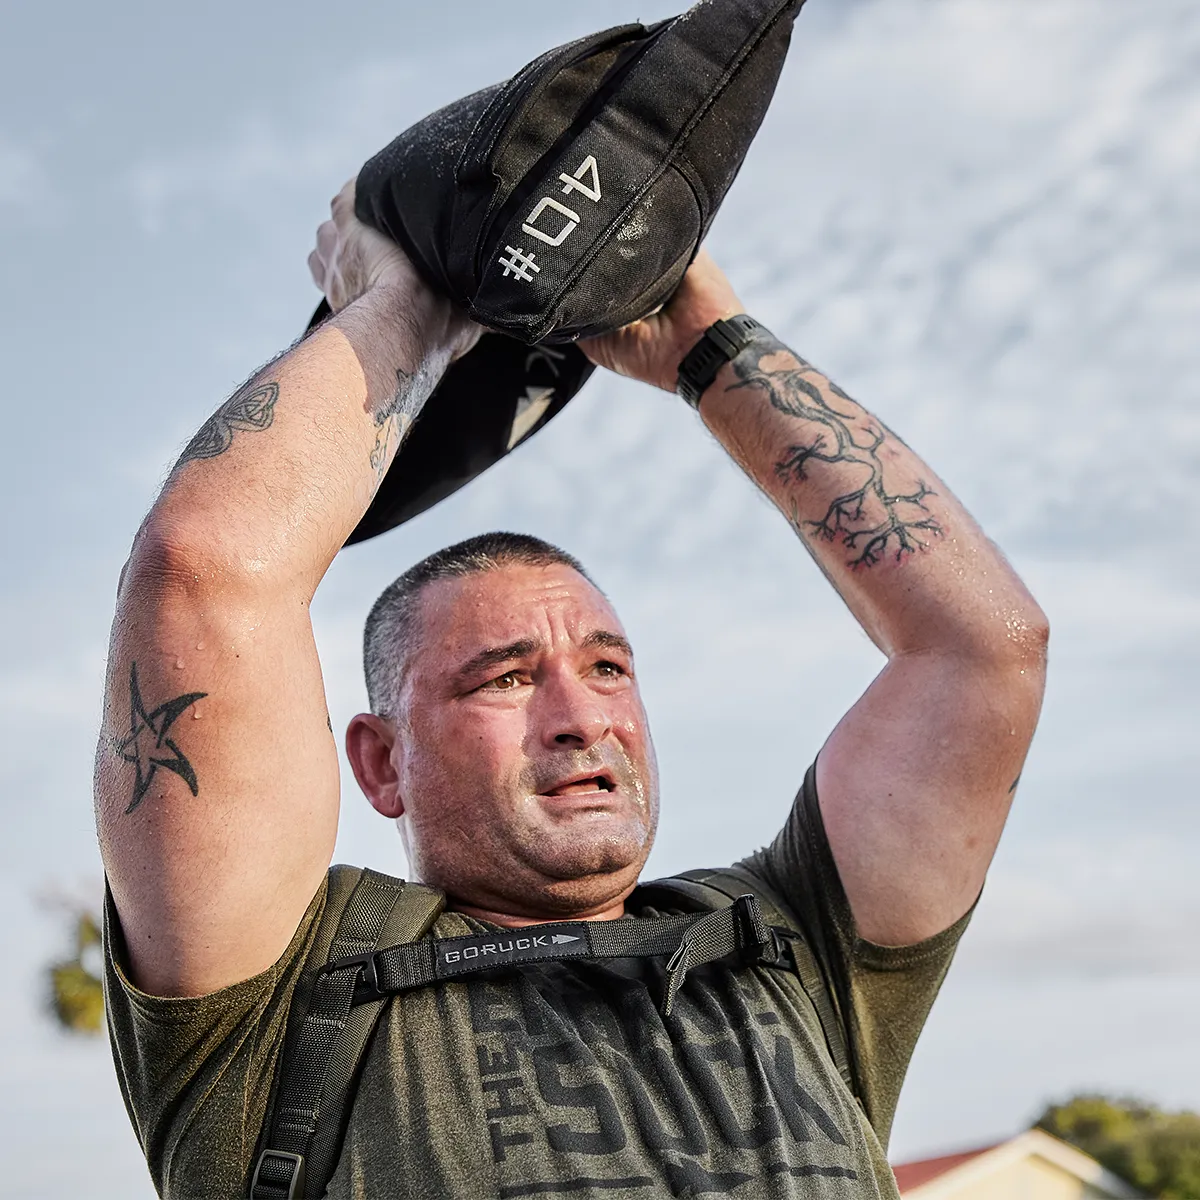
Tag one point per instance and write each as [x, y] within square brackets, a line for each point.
[910, 1176]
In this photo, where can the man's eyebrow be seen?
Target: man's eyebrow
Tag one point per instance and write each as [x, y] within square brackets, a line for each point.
[495, 655]
[605, 639]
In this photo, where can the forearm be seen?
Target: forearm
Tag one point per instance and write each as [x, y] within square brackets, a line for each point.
[909, 561]
[273, 483]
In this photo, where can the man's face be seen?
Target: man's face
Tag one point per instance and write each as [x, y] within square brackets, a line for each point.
[525, 765]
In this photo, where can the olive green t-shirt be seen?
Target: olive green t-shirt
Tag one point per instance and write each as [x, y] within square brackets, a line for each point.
[561, 1078]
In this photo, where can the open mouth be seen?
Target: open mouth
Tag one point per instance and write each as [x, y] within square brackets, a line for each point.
[584, 786]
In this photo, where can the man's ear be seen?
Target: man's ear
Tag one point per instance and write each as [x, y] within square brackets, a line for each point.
[369, 743]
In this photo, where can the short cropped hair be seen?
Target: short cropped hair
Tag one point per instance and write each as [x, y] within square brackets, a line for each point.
[392, 623]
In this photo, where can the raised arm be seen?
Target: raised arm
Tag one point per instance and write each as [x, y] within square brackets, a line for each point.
[216, 771]
[916, 781]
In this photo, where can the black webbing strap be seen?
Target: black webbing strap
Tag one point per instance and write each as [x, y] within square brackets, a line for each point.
[377, 948]
[728, 883]
[690, 940]
[323, 1050]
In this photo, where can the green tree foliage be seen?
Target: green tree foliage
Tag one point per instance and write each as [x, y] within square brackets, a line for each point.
[1158, 1152]
[76, 996]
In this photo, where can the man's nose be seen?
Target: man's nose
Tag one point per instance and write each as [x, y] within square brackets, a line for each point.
[574, 715]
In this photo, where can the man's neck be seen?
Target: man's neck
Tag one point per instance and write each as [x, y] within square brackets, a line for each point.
[509, 921]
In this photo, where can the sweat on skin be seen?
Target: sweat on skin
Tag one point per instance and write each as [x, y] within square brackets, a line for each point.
[518, 760]
[520, 738]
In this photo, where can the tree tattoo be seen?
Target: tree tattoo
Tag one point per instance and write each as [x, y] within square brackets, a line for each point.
[251, 407]
[147, 745]
[870, 520]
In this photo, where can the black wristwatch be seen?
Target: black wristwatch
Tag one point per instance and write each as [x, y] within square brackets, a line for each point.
[722, 342]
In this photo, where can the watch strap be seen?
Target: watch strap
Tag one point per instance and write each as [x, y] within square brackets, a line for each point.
[722, 342]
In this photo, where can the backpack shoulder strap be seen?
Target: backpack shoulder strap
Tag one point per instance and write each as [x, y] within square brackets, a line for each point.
[327, 1034]
[710, 888]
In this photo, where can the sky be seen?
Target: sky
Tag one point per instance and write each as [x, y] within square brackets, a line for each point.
[979, 216]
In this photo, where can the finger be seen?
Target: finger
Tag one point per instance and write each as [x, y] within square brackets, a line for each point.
[317, 269]
[327, 241]
[705, 273]
[342, 205]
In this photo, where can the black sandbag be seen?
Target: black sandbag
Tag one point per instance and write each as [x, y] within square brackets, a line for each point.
[561, 204]
[570, 200]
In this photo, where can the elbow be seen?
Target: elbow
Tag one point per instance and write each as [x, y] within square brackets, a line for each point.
[1016, 650]
[1031, 651]
[169, 558]
[1014, 631]
[1010, 642]
[179, 558]
[1029, 635]
[1026, 633]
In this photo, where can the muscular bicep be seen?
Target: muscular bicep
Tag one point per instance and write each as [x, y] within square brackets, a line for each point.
[216, 774]
[915, 784]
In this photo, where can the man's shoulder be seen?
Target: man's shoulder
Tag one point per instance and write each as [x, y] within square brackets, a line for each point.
[704, 888]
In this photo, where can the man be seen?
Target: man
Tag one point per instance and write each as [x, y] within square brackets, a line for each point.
[508, 741]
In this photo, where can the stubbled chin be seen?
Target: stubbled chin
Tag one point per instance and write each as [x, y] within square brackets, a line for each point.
[593, 843]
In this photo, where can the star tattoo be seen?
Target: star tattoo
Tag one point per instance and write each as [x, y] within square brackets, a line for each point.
[148, 746]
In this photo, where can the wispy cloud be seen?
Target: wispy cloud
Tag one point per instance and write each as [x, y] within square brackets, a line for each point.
[25, 185]
[980, 217]
[264, 162]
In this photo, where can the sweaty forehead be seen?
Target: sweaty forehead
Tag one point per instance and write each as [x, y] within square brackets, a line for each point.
[503, 605]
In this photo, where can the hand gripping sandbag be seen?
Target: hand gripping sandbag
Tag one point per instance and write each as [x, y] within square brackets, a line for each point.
[563, 204]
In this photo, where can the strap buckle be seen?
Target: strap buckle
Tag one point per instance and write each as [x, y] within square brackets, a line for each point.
[739, 929]
[758, 942]
[366, 986]
[278, 1175]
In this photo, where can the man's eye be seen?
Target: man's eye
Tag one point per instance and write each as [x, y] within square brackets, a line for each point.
[611, 669]
[503, 683]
